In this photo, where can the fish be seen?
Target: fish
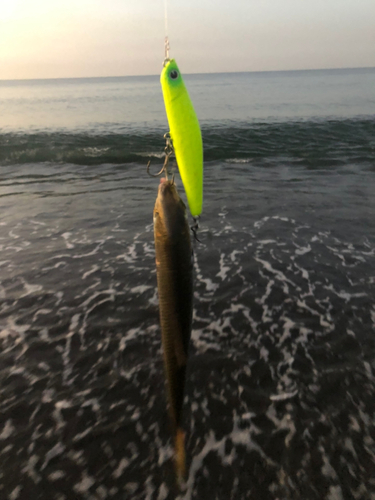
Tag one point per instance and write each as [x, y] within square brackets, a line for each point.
[185, 133]
[174, 269]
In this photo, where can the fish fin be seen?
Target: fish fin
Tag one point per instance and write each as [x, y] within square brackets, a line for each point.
[180, 460]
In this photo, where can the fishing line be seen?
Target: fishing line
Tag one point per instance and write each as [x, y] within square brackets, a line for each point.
[166, 40]
[166, 18]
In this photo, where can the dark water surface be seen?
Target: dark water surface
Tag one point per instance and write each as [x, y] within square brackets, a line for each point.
[280, 396]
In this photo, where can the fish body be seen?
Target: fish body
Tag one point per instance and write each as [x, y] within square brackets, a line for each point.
[174, 267]
[185, 133]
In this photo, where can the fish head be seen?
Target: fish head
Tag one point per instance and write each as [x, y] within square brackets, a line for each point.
[171, 80]
[168, 199]
[170, 215]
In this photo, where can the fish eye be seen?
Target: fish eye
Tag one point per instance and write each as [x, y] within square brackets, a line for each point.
[173, 74]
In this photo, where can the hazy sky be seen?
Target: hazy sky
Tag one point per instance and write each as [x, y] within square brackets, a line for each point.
[78, 38]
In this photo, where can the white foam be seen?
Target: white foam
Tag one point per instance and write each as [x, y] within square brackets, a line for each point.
[335, 493]
[239, 160]
[110, 291]
[15, 493]
[284, 396]
[154, 299]
[288, 325]
[267, 312]
[323, 322]
[85, 484]
[354, 425]
[305, 275]
[253, 323]
[37, 223]
[93, 402]
[130, 255]
[60, 423]
[302, 250]
[63, 404]
[201, 344]
[278, 274]
[149, 488]
[94, 268]
[124, 463]
[13, 235]
[57, 450]
[41, 312]
[66, 237]
[155, 154]
[286, 423]
[7, 430]
[266, 242]
[234, 254]
[74, 322]
[210, 285]
[30, 289]
[130, 334]
[13, 329]
[94, 150]
[223, 269]
[141, 289]
[344, 295]
[163, 492]
[238, 436]
[95, 250]
[284, 219]
[258, 224]
[29, 468]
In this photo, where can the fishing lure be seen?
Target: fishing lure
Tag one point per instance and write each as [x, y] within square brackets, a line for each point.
[185, 133]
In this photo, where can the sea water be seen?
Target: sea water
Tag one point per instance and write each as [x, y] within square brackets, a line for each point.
[281, 379]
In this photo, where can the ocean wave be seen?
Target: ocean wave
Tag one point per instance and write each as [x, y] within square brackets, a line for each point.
[313, 144]
[238, 160]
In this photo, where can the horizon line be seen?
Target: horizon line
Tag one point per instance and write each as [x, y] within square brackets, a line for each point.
[199, 73]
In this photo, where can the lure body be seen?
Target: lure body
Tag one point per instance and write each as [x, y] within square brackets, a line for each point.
[174, 269]
[185, 133]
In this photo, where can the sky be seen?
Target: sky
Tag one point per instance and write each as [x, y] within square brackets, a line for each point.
[83, 38]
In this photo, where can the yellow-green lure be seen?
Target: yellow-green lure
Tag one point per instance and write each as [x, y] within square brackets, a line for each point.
[185, 134]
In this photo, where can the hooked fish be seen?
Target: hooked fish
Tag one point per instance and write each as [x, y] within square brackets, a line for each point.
[174, 268]
[185, 133]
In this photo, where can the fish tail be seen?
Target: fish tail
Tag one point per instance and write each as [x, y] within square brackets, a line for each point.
[180, 461]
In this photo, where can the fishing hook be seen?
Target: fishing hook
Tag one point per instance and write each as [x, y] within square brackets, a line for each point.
[168, 152]
[154, 175]
[194, 228]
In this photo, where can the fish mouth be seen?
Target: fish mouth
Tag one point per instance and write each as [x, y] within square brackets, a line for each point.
[168, 200]
[169, 212]
[166, 187]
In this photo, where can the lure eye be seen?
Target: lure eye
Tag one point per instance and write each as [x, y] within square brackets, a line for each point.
[173, 74]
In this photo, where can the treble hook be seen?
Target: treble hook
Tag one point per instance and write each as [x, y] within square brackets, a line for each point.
[154, 175]
[194, 228]
[168, 150]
